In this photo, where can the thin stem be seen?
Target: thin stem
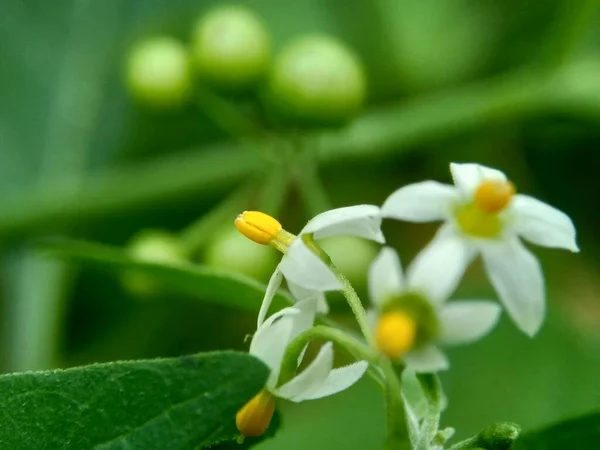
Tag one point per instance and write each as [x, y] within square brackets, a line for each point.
[289, 363]
[432, 388]
[197, 234]
[397, 420]
[470, 443]
[347, 290]
[313, 192]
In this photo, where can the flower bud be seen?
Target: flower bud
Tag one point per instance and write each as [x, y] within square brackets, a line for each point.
[255, 416]
[151, 246]
[317, 79]
[230, 250]
[395, 333]
[158, 73]
[499, 436]
[231, 47]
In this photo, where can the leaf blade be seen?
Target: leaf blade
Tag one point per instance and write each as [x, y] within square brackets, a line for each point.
[176, 403]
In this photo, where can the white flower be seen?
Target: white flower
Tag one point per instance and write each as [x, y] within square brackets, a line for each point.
[306, 273]
[422, 295]
[482, 216]
[319, 379]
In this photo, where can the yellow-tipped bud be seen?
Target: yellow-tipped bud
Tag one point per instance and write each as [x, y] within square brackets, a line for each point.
[258, 226]
[255, 416]
[395, 333]
[493, 196]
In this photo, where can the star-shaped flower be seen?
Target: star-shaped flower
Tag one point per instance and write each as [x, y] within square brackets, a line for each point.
[483, 215]
[318, 380]
[305, 272]
[411, 315]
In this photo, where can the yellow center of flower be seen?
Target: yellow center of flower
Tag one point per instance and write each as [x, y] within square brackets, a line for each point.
[255, 416]
[395, 333]
[492, 196]
[480, 218]
[263, 229]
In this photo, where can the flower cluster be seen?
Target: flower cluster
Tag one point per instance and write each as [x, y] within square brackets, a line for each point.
[411, 314]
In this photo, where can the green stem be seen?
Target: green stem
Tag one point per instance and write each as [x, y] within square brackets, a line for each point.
[311, 188]
[471, 443]
[197, 234]
[289, 363]
[347, 290]
[432, 388]
[397, 422]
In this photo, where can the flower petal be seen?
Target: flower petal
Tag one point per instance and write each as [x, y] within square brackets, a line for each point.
[360, 220]
[301, 293]
[420, 202]
[467, 321]
[428, 358]
[338, 380]
[543, 224]
[272, 287]
[517, 277]
[437, 270]
[271, 339]
[385, 276]
[307, 310]
[302, 267]
[311, 378]
[467, 177]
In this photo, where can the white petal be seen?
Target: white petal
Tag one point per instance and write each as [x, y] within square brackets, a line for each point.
[420, 202]
[303, 268]
[307, 310]
[543, 224]
[360, 220]
[338, 380]
[467, 177]
[517, 277]
[271, 339]
[428, 358]
[437, 270]
[385, 276]
[467, 321]
[272, 287]
[301, 293]
[311, 378]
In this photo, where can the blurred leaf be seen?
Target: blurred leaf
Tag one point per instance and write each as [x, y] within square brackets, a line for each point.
[210, 284]
[179, 403]
[580, 433]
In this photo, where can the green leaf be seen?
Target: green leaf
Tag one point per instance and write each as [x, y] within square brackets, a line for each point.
[178, 403]
[210, 284]
[579, 433]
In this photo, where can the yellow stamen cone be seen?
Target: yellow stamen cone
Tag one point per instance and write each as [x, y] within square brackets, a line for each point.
[258, 226]
[493, 196]
[255, 416]
[395, 333]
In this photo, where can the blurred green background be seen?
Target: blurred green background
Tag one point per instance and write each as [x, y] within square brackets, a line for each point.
[506, 83]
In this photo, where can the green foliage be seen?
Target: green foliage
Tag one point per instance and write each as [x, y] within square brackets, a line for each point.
[210, 284]
[580, 433]
[179, 403]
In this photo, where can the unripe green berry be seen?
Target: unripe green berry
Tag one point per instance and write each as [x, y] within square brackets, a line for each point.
[317, 79]
[158, 73]
[154, 246]
[352, 255]
[231, 47]
[499, 436]
[233, 251]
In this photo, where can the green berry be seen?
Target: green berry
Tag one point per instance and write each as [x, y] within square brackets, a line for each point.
[158, 73]
[317, 78]
[151, 246]
[352, 255]
[232, 251]
[231, 47]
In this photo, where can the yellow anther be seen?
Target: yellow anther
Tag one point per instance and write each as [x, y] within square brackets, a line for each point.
[258, 226]
[493, 196]
[395, 333]
[255, 416]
